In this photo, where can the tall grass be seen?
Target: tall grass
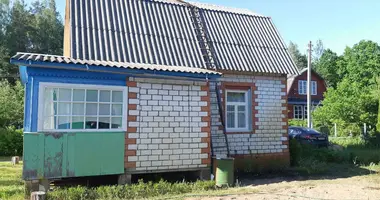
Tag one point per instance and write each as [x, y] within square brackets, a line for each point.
[139, 190]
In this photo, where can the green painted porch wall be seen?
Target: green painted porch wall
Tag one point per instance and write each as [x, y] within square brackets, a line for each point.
[61, 155]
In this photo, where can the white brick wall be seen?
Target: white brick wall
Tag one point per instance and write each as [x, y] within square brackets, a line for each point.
[169, 126]
[268, 137]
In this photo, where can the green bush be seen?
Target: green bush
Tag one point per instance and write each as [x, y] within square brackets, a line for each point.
[139, 190]
[297, 122]
[11, 141]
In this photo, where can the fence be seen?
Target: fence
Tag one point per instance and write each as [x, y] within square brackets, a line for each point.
[337, 130]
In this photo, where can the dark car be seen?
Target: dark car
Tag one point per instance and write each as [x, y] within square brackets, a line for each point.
[308, 136]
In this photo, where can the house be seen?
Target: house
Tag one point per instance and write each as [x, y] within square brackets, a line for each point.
[297, 93]
[149, 86]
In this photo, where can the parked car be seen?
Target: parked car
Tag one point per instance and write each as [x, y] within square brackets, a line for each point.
[308, 136]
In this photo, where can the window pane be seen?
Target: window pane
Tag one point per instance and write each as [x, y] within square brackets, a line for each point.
[78, 95]
[117, 96]
[105, 96]
[91, 109]
[91, 122]
[78, 123]
[92, 96]
[104, 123]
[78, 108]
[50, 94]
[117, 109]
[116, 122]
[241, 108]
[49, 122]
[64, 94]
[235, 97]
[104, 109]
[241, 120]
[230, 108]
[63, 122]
[64, 108]
[50, 108]
[230, 120]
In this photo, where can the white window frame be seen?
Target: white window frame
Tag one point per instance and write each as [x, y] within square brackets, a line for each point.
[302, 87]
[41, 103]
[301, 110]
[236, 104]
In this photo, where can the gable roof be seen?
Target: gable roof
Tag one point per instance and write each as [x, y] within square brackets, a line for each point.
[162, 32]
[292, 77]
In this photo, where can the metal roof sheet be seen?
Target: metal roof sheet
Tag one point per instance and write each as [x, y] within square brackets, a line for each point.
[66, 60]
[161, 32]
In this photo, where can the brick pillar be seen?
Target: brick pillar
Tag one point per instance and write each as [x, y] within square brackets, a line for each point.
[207, 119]
[131, 135]
[285, 138]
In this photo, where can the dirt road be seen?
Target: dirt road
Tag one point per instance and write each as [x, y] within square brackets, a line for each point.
[359, 187]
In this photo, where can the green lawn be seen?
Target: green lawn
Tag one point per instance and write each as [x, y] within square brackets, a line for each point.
[11, 184]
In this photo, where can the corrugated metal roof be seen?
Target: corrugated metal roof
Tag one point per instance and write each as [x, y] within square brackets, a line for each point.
[247, 43]
[137, 31]
[161, 32]
[66, 60]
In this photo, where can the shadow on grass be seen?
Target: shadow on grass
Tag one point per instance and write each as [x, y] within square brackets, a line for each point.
[334, 171]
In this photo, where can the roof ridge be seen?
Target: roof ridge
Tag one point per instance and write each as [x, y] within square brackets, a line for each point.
[215, 7]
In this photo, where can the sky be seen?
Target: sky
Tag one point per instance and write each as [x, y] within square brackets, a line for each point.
[338, 23]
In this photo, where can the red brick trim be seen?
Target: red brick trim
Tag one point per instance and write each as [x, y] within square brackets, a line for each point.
[206, 161]
[242, 86]
[285, 117]
[130, 118]
[132, 95]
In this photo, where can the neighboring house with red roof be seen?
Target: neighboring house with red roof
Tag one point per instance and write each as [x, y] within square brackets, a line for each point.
[297, 93]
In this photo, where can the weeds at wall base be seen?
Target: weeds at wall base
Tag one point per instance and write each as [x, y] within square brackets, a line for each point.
[139, 190]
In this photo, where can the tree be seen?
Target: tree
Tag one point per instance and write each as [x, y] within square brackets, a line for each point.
[11, 101]
[47, 33]
[327, 66]
[318, 50]
[348, 104]
[362, 62]
[352, 101]
[36, 29]
[299, 59]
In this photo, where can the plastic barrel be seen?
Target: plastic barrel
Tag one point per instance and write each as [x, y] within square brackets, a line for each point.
[224, 175]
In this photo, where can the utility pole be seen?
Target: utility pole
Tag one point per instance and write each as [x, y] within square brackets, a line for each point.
[309, 88]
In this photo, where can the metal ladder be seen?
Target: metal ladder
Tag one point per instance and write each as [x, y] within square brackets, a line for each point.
[208, 55]
[200, 30]
[221, 114]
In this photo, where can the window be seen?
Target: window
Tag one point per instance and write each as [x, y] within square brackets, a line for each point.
[305, 112]
[69, 107]
[298, 112]
[302, 87]
[313, 88]
[237, 110]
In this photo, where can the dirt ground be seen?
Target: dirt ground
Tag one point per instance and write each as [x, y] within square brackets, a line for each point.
[358, 187]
